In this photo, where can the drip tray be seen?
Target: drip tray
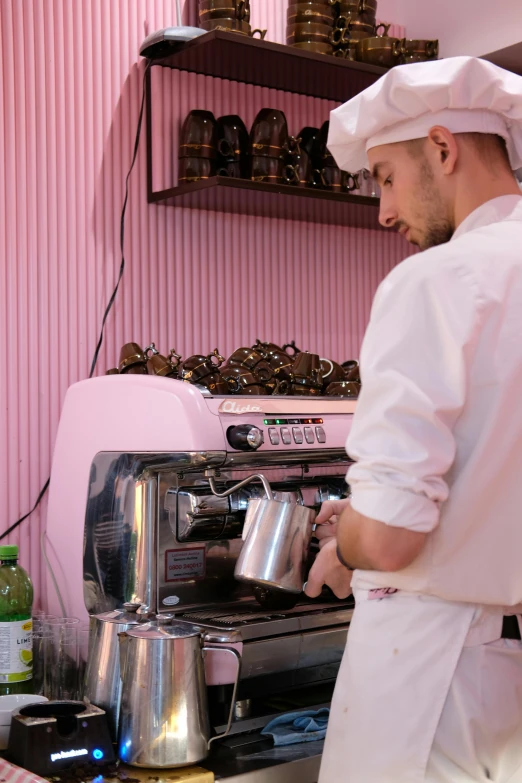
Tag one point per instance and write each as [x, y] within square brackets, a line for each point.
[242, 622]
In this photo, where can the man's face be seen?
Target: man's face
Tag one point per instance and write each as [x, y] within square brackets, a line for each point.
[411, 200]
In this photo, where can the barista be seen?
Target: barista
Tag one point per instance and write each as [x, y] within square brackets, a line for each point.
[430, 687]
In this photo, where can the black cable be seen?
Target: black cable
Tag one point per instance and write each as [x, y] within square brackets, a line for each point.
[113, 295]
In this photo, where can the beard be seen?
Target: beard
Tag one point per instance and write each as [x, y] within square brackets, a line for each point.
[431, 212]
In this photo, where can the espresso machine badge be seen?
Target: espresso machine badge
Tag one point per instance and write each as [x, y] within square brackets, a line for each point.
[231, 406]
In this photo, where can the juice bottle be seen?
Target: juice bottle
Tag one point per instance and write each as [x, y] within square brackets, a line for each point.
[16, 625]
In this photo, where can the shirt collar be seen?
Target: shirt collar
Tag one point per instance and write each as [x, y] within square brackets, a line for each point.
[494, 211]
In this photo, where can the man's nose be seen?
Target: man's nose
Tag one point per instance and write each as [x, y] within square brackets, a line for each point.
[387, 213]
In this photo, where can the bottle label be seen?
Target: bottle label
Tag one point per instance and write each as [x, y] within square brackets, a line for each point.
[16, 651]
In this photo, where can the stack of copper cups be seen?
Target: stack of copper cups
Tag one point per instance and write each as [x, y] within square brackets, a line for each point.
[269, 147]
[197, 147]
[356, 20]
[310, 25]
[228, 16]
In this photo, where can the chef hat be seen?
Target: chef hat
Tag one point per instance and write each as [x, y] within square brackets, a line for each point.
[463, 94]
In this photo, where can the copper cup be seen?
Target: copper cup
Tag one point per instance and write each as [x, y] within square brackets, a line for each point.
[347, 51]
[317, 48]
[269, 134]
[248, 357]
[241, 380]
[198, 135]
[131, 355]
[307, 366]
[331, 371]
[379, 50]
[348, 389]
[264, 169]
[299, 171]
[137, 369]
[195, 169]
[214, 383]
[197, 367]
[228, 9]
[310, 12]
[332, 178]
[305, 387]
[414, 46]
[113, 371]
[161, 365]
[351, 370]
[308, 31]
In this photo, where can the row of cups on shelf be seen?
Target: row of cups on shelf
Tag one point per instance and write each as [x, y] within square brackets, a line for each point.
[349, 29]
[227, 15]
[268, 154]
[263, 369]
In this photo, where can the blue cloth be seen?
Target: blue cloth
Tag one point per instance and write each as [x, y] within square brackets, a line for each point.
[294, 727]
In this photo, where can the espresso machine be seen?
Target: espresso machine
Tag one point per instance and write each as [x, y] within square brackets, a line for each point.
[144, 519]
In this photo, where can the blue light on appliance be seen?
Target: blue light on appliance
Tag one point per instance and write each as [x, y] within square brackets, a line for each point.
[97, 754]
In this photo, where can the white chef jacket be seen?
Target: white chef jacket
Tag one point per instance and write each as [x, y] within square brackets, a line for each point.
[437, 436]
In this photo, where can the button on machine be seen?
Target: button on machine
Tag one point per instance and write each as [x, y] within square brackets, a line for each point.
[298, 434]
[309, 435]
[285, 436]
[320, 434]
[273, 434]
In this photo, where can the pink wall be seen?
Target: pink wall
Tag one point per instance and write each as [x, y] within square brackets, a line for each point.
[70, 85]
[474, 27]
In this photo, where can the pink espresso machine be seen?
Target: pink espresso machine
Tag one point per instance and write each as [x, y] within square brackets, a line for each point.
[134, 520]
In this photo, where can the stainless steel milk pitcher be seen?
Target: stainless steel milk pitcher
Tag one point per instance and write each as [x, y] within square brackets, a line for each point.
[277, 538]
[164, 714]
[102, 685]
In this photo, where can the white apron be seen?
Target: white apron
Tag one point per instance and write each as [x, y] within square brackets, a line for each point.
[397, 668]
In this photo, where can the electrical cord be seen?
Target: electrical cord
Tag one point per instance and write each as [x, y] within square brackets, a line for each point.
[107, 309]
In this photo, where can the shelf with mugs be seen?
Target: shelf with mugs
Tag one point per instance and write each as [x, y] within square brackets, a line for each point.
[265, 199]
[267, 64]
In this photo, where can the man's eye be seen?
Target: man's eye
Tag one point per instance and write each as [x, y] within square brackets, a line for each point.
[388, 181]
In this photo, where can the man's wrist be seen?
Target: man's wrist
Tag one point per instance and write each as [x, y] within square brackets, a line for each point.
[343, 561]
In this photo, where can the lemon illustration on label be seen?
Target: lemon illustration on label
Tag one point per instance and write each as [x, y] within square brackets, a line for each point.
[26, 656]
[28, 626]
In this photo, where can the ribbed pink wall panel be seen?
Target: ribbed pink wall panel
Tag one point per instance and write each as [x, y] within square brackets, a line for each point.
[70, 86]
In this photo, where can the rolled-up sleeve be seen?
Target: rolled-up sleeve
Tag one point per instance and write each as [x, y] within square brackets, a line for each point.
[415, 365]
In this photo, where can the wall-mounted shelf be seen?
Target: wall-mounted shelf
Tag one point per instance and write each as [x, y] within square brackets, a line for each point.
[244, 197]
[267, 64]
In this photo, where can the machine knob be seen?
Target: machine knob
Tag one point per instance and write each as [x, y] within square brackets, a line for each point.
[245, 437]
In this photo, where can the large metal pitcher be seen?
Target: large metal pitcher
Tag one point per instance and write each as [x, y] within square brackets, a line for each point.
[277, 538]
[164, 715]
[102, 675]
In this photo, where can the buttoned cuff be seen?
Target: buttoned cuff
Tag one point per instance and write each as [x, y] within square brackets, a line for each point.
[395, 507]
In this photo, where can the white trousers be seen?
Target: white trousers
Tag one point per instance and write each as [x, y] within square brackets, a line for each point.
[479, 735]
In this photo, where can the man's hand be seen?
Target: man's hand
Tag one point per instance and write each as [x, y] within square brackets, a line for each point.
[328, 570]
[328, 518]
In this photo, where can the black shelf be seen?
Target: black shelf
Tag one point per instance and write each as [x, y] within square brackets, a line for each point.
[267, 64]
[244, 197]
[240, 58]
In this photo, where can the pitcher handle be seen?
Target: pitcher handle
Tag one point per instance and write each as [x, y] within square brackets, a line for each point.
[237, 657]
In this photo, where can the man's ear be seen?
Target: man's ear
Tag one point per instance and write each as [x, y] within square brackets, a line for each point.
[442, 149]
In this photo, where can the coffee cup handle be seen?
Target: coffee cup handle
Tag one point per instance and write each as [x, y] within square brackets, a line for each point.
[234, 385]
[432, 48]
[290, 175]
[225, 148]
[385, 27]
[262, 34]
[318, 173]
[355, 183]
[217, 356]
[240, 9]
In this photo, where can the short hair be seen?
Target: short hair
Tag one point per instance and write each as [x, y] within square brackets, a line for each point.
[491, 148]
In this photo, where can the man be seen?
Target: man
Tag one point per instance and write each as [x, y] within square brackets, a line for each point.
[430, 687]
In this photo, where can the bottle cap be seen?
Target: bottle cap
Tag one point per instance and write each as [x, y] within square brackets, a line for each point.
[8, 552]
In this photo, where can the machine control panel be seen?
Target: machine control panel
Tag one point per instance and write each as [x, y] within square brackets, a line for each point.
[281, 432]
